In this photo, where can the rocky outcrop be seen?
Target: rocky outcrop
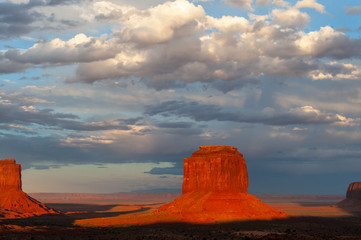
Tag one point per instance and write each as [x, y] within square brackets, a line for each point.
[13, 201]
[214, 190]
[352, 203]
[215, 169]
[10, 175]
[354, 191]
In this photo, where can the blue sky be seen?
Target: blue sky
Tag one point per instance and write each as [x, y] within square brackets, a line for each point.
[89, 89]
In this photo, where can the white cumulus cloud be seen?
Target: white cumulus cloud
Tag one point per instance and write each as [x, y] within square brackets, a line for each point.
[310, 4]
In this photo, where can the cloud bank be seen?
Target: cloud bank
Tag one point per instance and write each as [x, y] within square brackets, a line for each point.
[97, 82]
[170, 45]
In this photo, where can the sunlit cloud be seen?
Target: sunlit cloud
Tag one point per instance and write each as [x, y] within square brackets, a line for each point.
[167, 50]
[310, 4]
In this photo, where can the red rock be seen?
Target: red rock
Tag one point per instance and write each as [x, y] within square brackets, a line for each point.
[354, 190]
[215, 169]
[10, 178]
[13, 201]
[214, 190]
[352, 203]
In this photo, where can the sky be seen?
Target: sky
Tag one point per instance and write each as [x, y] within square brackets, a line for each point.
[111, 96]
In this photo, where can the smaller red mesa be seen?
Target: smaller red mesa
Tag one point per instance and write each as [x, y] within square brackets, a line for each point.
[13, 201]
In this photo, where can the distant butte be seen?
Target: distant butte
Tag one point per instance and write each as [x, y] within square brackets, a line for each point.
[13, 201]
[352, 203]
[215, 189]
[354, 191]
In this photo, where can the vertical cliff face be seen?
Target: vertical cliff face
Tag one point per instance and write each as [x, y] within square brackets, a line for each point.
[215, 186]
[13, 201]
[10, 175]
[354, 191]
[215, 169]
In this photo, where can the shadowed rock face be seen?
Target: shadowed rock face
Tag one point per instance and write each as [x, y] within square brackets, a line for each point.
[215, 169]
[354, 191]
[352, 203]
[13, 201]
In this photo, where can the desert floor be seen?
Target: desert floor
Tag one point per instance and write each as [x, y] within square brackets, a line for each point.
[313, 217]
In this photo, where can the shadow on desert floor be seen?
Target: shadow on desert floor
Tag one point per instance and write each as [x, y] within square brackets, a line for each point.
[313, 205]
[72, 212]
[47, 227]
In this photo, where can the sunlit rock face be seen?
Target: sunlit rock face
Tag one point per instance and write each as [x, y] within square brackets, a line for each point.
[10, 175]
[354, 191]
[214, 190]
[215, 169]
[13, 201]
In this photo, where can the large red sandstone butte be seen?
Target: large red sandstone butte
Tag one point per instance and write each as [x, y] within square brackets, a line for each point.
[13, 201]
[215, 169]
[215, 189]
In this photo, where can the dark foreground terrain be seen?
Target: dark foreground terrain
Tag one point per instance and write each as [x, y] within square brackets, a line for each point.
[313, 218]
[293, 228]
